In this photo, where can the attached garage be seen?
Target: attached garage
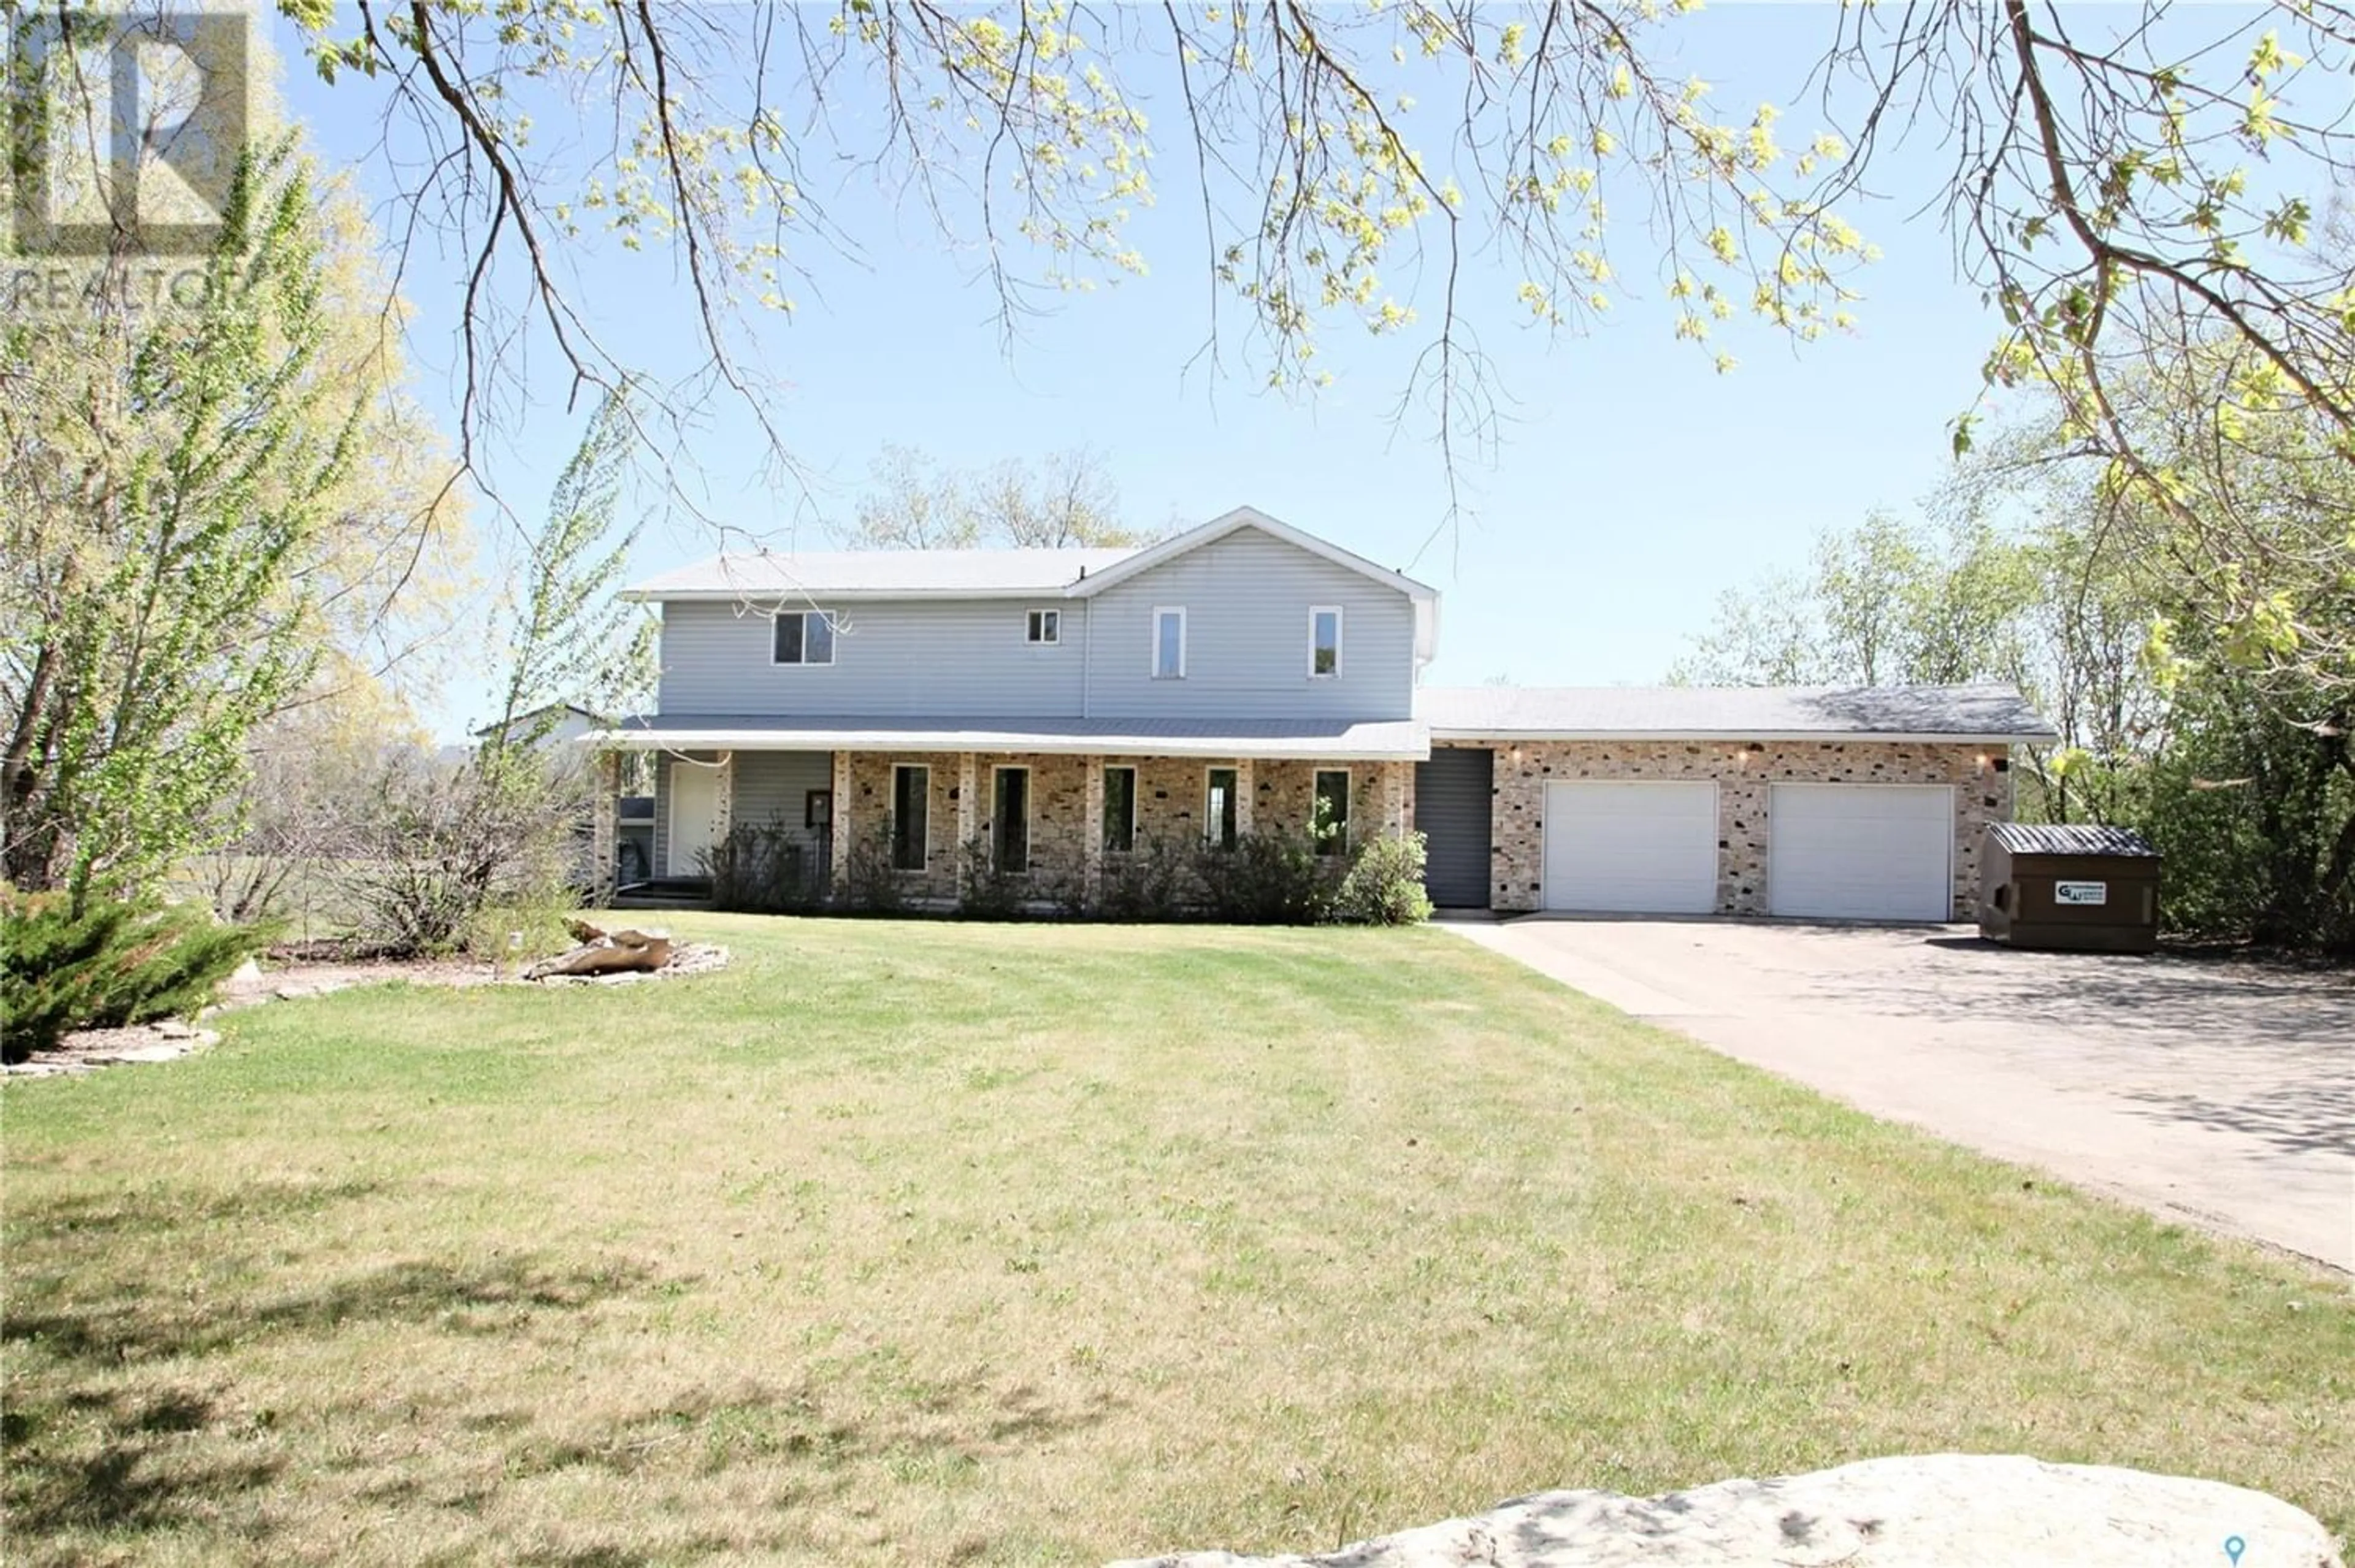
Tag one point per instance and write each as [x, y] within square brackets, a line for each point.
[1823, 802]
[1847, 851]
[1631, 848]
[1453, 811]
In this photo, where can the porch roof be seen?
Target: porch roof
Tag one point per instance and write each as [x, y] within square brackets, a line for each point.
[1321, 740]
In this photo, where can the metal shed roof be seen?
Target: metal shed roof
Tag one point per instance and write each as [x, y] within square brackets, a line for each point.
[2068, 838]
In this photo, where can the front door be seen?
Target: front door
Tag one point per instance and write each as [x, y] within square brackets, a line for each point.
[694, 817]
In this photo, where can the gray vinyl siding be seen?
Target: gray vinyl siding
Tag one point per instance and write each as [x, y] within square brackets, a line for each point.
[770, 787]
[900, 659]
[1246, 599]
[774, 786]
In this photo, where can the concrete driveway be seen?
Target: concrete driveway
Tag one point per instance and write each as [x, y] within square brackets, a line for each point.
[2219, 1093]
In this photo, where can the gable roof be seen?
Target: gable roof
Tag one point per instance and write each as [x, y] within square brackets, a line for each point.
[998, 574]
[880, 574]
[531, 714]
[1243, 517]
[1992, 713]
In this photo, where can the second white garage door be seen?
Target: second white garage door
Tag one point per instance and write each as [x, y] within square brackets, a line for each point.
[1860, 851]
[1631, 848]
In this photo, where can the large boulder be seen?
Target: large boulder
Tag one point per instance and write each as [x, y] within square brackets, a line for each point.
[1943, 1510]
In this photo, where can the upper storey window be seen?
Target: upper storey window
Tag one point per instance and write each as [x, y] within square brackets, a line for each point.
[1045, 627]
[1169, 645]
[802, 636]
[1324, 641]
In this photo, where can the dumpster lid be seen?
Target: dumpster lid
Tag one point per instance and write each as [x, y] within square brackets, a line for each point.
[2068, 838]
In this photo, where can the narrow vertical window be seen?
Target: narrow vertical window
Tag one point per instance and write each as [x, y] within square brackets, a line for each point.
[1324, 641]
[1169, 645]
[1329, 826]
[912, 790]
[1009, 820]
[1120, 810]
[1218, 808]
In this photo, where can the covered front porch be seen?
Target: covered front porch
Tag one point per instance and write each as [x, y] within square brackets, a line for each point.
[1048, 813]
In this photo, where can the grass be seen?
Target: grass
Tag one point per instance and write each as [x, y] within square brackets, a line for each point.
[933, 1244]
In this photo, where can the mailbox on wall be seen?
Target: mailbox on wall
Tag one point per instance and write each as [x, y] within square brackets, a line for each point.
[2071, 885]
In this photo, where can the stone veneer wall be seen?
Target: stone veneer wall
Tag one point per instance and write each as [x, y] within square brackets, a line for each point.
[1171, 797]
[1743, 775]
[1059, 823]
[870, 809]
[1381, 796]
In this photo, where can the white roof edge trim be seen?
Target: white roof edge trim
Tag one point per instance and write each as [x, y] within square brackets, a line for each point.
[1210, 747]
[822, 597]
[1780, 737]
[1226, 523]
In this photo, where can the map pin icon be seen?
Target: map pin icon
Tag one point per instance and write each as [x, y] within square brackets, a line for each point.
[2233, 1547]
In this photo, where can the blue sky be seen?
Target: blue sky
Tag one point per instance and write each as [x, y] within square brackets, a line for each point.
[1633, 483]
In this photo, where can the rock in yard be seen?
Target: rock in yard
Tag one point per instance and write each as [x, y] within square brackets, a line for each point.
[1944, 1511]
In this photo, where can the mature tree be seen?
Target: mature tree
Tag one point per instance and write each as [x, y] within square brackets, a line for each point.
[916, 503]
[2219, 730]
[442, 850]
[2110, 169]
[1884, 603]
[571, 640]
[166, 481]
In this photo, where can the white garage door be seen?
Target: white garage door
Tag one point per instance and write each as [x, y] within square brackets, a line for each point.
[1631, 848]
[1860, 851]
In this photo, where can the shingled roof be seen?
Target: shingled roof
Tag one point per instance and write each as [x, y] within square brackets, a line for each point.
[1991, 714]
[879, 574]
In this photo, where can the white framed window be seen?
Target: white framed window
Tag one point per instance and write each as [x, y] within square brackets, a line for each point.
[1324, 641]
[1329, 812]
[1043, 628]
[1219, 818]
[1169, 643]
[801, 637]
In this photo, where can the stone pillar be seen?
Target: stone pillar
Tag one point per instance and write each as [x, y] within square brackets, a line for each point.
[1092, 830]
[967, 774]
[1393, 787]
[723, 799]
[838, 838]
[1244, 792]
[605, 780]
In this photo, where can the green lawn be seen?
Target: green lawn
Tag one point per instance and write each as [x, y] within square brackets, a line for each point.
[934, 1243]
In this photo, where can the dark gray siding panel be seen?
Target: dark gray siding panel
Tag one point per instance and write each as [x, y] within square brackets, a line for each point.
[1454, 804]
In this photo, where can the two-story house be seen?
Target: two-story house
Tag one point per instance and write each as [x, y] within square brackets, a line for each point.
[1060, 707]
